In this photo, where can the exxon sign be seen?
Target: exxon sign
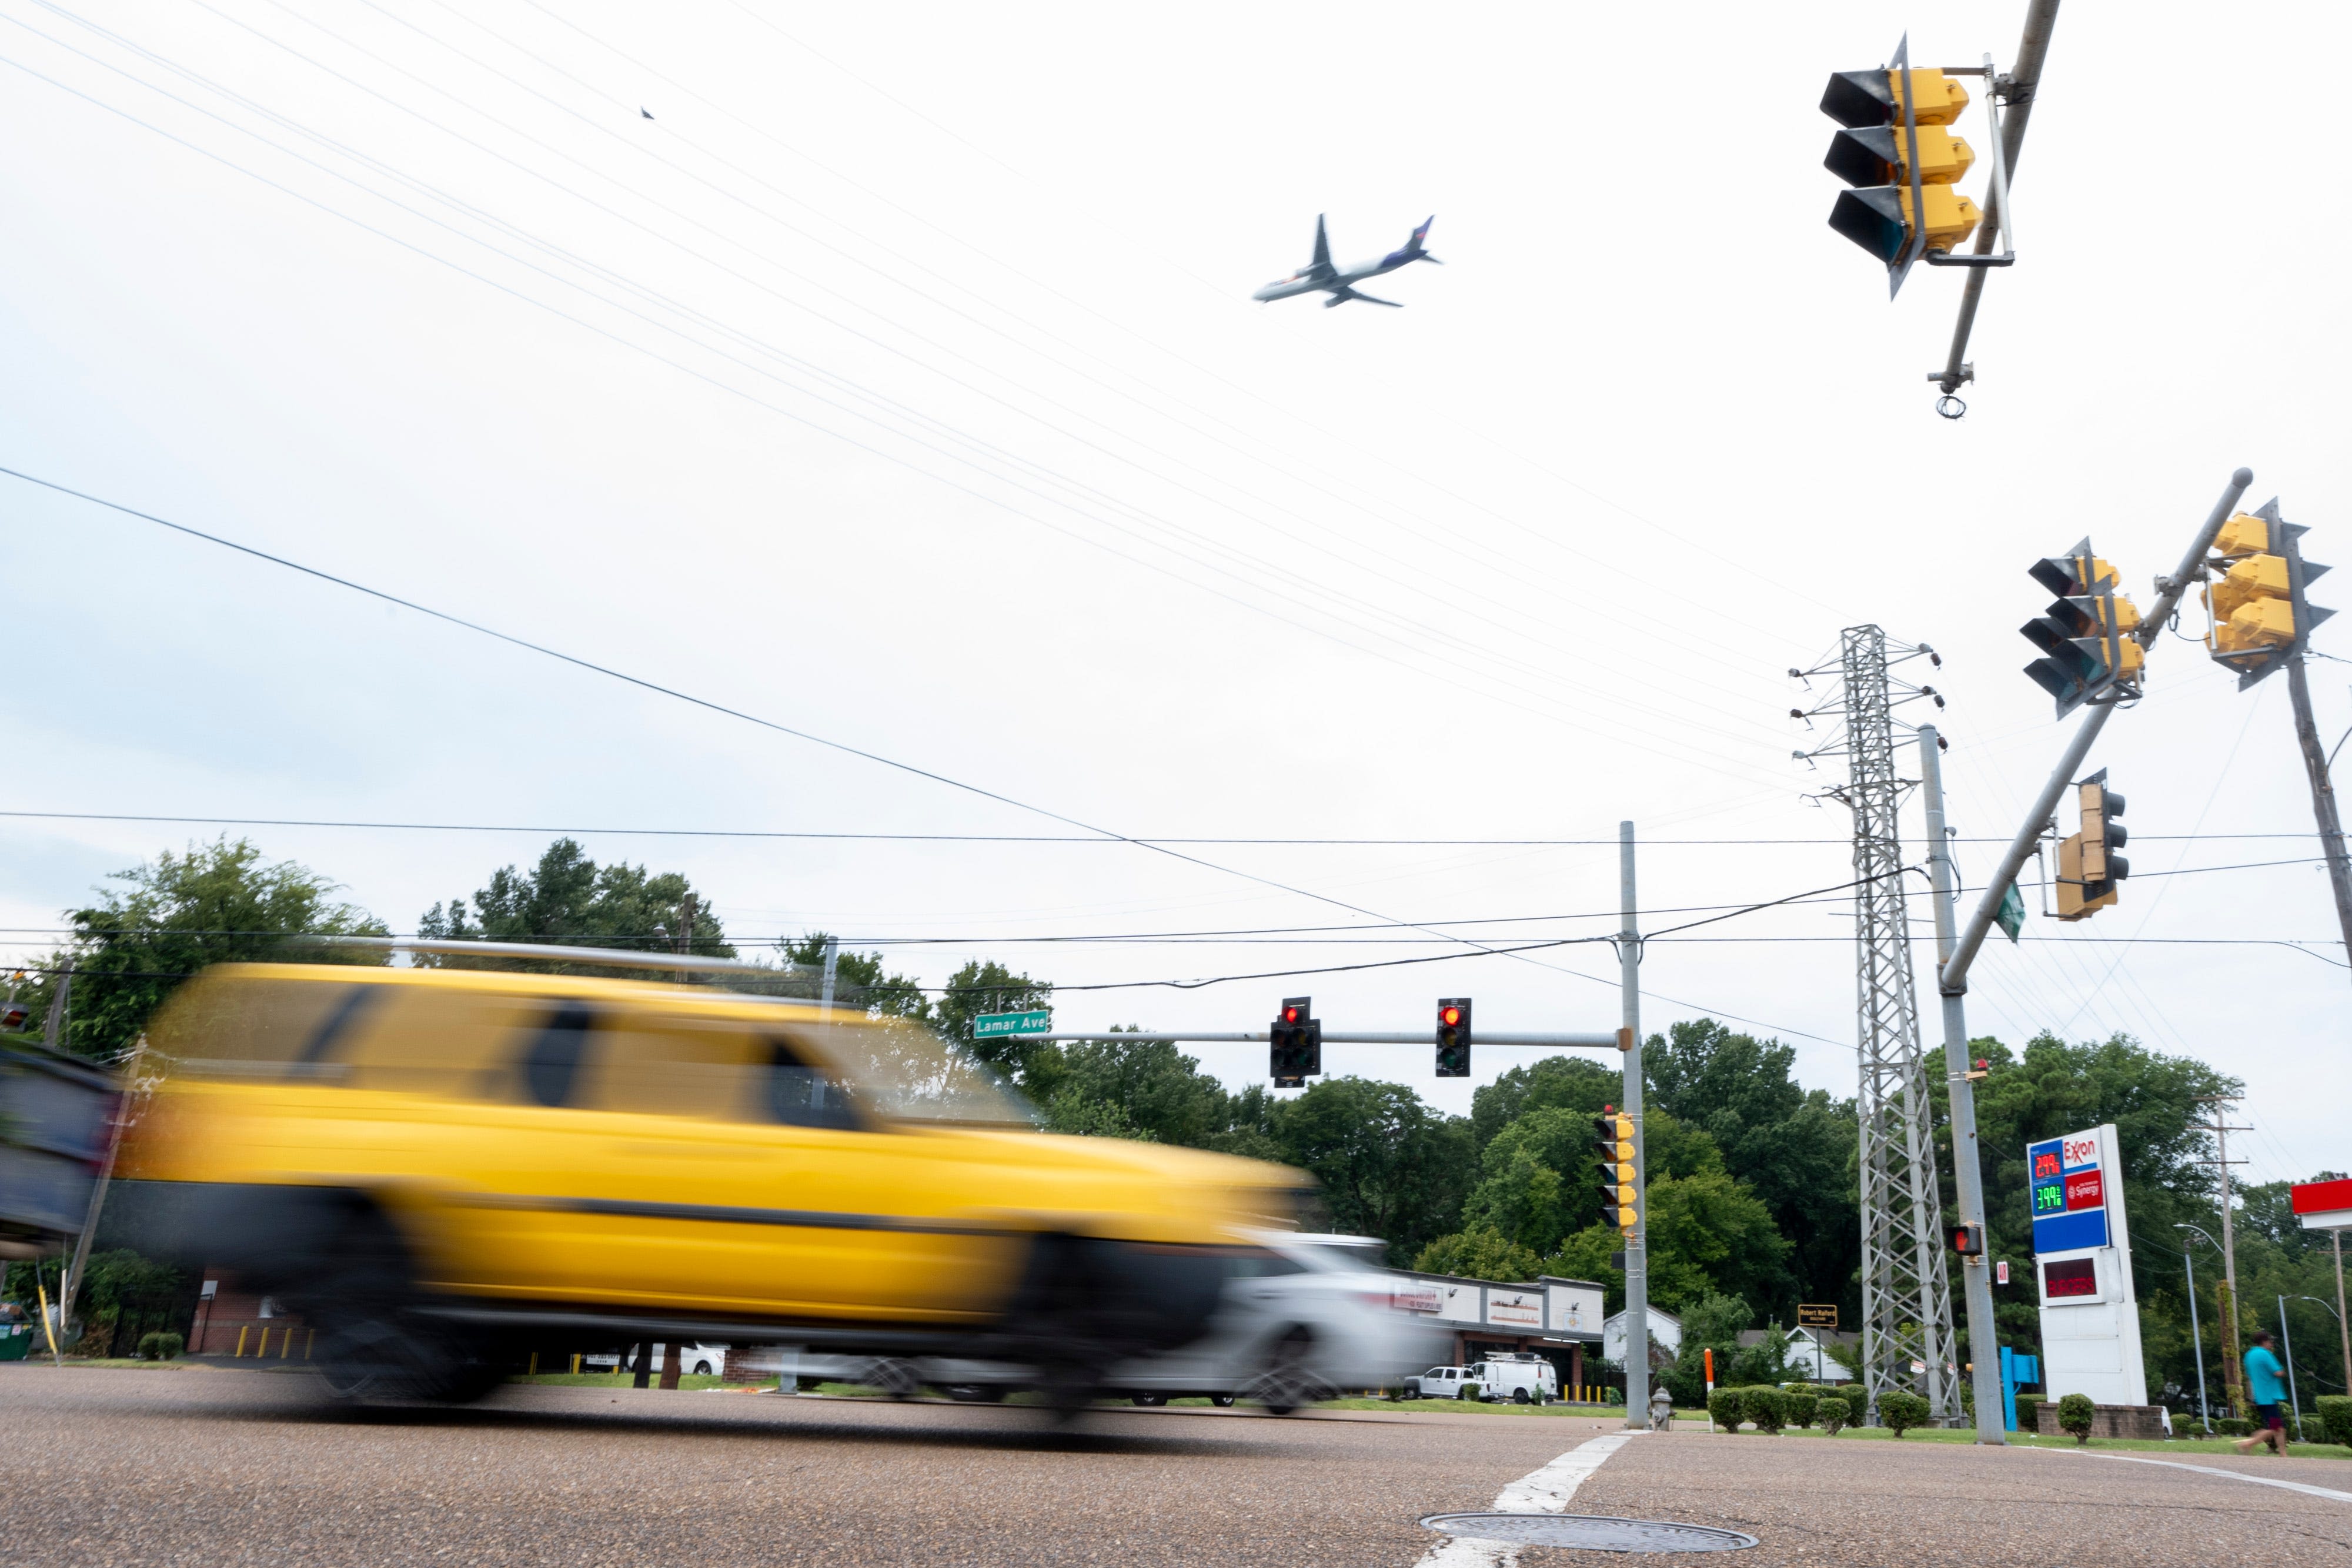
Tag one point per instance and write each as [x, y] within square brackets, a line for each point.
[2070, 1194]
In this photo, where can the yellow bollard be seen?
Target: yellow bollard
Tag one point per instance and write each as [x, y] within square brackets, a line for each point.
[576, 1363]
[242, 1330]
[286, 1347]
[534, 1363]
[261, 1351]
[309, 1344]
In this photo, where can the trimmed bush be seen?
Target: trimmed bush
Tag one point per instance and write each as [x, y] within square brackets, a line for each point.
[1803, 1405]
[1472, 1393]
[159, 1346]
[2029, 1411]
[1765, 1405]
[1834, 1413]
[2335, 1418]
[1726, 1408]
[1899, 1412]
[2076, 1414]
[2232, 1426]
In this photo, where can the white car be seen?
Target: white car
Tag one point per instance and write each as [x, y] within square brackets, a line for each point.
[701, 1360]
[1308, 1316]
[1438, 1382]
[1302, 1317]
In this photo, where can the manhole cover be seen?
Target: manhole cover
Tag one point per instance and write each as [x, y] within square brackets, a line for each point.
[1589, 1532]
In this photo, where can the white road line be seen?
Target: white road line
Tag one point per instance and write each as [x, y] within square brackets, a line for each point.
[2207, 1470]
[1545, 1490]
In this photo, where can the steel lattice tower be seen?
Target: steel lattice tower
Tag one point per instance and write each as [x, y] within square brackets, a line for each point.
[1906, 1301]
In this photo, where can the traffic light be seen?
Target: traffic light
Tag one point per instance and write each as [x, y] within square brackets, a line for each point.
[2088, 633]
[1903, 161]
[1968, 1241]
[2088, 865]
[1620, 1191]
[1296, 1042]
[1453, 1037]
[2259, 611]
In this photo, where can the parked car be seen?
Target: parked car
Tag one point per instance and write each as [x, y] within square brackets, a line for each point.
[437, 1166]
[1439, 1383]
[1522, 1379]
[701, 1360]
[1301, 1317]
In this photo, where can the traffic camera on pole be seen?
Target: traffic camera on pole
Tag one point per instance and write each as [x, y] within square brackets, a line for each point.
[1453, 1037]
[1903, 161]
[1296, 1044]
[2088, 865]
[2258, 613]
[1620, 1191]
[2086, 634]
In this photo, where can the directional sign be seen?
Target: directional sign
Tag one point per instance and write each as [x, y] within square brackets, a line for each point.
[1037, 1021]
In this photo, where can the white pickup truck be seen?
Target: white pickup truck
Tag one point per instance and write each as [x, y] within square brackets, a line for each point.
[1438, 1382]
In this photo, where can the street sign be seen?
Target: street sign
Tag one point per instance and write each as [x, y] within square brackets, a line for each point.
[1816, 1315]
[1036, 1020]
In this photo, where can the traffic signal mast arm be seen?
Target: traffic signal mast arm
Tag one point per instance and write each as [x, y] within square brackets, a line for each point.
[1615, 1041]
[2017, 93]
[1952, 979]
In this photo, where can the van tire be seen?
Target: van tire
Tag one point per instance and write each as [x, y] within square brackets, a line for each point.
[1519, 1396]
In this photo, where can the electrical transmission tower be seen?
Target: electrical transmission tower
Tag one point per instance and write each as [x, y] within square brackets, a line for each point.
[1906, 1299]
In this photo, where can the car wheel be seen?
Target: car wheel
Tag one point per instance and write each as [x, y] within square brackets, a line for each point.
[1285, 1383]
[701, 1369]
[1222, 1401]
[1518, 1396]
[973, 1394]
[893, 1376]
[1149, 1401]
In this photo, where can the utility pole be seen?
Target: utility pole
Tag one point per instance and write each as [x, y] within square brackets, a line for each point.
[2196, 1339]
[2323, 796]
[2233, 1370]
[831, 967]
[1637, 1258]
[1975, 1273]
[2342, 1329]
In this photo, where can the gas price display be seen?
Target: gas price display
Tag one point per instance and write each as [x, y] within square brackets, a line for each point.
[2065, 1277]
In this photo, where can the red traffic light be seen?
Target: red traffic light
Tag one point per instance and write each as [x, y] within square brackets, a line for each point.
[1290, 1015]
[1449, 1017]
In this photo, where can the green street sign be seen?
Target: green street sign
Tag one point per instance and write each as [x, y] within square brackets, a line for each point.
[1037, 1021]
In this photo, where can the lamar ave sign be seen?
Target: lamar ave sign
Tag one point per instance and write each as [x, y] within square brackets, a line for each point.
[1035, 1021]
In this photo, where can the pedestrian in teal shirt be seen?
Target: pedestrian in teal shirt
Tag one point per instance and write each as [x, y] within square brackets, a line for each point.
[2266, 1387]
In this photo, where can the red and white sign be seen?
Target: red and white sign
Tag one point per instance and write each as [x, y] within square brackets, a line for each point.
[2323, 1205]
[1514, 1309]
[1416, 1298]
[2083, 1152]
[2083, 1191]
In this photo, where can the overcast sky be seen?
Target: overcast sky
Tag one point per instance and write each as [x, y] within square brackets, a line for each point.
[898, 383]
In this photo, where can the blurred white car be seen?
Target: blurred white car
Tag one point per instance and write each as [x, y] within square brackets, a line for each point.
[701, 1360]
[1302, 1317]
[1305, 1318]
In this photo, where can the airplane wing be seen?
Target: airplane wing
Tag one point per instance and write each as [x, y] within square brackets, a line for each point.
[1321, 266]
[1342, 294]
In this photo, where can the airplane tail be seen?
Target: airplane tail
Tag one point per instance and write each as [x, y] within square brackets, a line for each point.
[1419, 244]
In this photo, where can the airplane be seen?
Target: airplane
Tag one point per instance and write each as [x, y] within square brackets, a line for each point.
[1320, 275]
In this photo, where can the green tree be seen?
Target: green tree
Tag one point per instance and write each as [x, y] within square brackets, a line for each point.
[1156, 1088]
[219, 903]
[860, 983]
[1390, 1165]
[567, 899]
[1796, 1150]
[1480, 1253]
[1712, 1321]
[1571, 1082]
[988, 987]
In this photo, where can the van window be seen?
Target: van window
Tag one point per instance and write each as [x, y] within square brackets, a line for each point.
[803, 1095]
[551, 1066]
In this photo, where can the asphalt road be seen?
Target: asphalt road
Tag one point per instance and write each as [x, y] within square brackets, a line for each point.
[226, 1467]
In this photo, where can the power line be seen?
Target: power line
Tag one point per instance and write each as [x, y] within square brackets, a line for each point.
[1016, 838]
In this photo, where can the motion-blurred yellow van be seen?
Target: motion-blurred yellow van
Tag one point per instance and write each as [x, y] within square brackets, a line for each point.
[439, 1167]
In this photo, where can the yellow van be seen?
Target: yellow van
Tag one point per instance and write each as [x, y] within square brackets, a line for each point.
[439, 1167]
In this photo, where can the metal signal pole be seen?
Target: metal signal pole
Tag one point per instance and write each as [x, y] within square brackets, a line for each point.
[2323, 796]
[1975, 1273]
[1637, 1262]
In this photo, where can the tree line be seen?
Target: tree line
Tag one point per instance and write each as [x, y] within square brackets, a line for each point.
[1753, 1178]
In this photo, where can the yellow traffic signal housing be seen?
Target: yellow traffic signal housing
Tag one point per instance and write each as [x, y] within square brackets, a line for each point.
[1882, 151]
[2088, 865]
[2257, 605]
[1620, 1187]
[2087, 635]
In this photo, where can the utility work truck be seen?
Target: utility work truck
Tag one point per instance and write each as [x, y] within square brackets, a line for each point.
[1517, 1376]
